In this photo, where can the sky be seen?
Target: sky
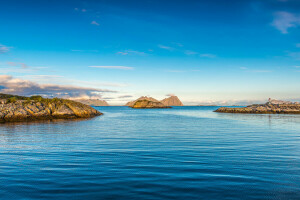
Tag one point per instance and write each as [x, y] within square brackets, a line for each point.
[205, 51]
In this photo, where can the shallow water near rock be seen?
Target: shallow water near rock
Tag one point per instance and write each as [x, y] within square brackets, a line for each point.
[178, 153]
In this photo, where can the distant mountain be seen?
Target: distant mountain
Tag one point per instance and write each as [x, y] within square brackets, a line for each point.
[93, 102]
[172, 101]
[131, 103]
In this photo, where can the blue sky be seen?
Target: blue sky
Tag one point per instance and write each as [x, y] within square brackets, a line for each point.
[205, 52]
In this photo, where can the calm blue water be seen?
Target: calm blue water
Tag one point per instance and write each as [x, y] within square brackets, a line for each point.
[179, 153]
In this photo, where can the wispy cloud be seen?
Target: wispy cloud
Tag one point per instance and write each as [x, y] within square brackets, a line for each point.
[113, 67]
[43, 76]
[285, 20]
[188, 52]
[95, 23]
[208, 55]
[298, 45]
[131, 52]
[295, 55]
[170, 95]
[18, 86]
[166, 47]
[125, 96]
[4, 49]
[15, 64]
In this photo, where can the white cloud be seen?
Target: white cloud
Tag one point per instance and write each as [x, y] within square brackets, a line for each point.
[18, 86]
[285, 20]
[95, 23]
[4, 49]
[298, 45]
[113, 67]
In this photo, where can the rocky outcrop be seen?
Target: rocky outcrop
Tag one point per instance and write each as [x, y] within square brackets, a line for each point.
[271, 107]
[93, 102]
[131, 103]
[167, 102]
[16, 108]
[147, 102]
[172, 101]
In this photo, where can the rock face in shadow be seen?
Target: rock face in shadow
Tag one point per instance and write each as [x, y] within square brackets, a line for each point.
[172, 101]
[147, 103]
[17, 108]
[271, 107]
[93, 102]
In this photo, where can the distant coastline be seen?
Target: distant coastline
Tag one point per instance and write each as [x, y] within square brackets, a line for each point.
[271, 107]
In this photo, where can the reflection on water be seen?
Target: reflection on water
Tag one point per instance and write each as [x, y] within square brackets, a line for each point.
[179, 153]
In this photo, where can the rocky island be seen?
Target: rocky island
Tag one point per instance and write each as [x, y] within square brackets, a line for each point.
[146, 102]
[18, 108]
[149, 102]
[271, 107]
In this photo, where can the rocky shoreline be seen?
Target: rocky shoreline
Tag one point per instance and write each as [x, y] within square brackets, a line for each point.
[18, 108]
[271, 107]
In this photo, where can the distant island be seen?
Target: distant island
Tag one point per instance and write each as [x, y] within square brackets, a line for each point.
[93, 102]
[271, 107]
[149, 102]
[18, 108]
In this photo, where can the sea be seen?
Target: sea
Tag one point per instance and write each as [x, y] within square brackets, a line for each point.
[178, 153]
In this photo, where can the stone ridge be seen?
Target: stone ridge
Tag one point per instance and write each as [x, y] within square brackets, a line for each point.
[16, 109]
[268, 108]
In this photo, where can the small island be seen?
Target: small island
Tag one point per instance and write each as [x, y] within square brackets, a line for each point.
[15, 108]
[271, 107]
[149, 102]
